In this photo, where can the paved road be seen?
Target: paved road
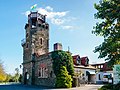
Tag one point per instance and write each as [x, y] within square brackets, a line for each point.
[26, 87]
[21, 87]
[90, 87]
[86, 87]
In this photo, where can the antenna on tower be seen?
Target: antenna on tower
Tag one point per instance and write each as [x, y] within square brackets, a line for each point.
[68, 49]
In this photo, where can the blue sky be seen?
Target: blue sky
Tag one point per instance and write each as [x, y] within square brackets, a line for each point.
[71, 23]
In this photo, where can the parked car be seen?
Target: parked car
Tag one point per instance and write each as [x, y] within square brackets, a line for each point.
[107, 78]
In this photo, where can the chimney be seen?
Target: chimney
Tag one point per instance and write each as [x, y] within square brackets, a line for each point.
[57, 46]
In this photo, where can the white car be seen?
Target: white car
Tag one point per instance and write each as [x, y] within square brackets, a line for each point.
[107, 78]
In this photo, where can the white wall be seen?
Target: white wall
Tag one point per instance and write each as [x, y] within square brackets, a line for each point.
[93, 76]
[101, 76]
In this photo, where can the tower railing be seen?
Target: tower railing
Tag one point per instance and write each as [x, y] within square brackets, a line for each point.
[23, 41]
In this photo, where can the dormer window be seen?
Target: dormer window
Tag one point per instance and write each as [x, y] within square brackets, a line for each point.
[78, 60]
[86, 61]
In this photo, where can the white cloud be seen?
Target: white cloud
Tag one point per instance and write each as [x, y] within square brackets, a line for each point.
[68, 27]
[49, 8]
[55, 17]
[51, 14]
[69, 19]
[57, 21]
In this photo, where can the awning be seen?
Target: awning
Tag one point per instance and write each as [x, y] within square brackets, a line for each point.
[90, 72]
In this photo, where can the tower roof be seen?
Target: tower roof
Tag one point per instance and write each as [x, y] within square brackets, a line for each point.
[36, 15]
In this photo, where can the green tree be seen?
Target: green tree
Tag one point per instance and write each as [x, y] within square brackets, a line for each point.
[62, 58]
[109, 28]
[63, 80]
[9, 78]
[2, 72]
[17, 75]
[20, 78]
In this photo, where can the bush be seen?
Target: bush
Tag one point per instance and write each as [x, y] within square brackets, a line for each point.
[106, 87]
[62, 58]
[117, 87]
[20, 78]
[110, 87]
[63, 80]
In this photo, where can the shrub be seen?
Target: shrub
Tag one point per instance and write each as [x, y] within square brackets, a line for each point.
[110, 87]
[63, 80]
[62, 58]
[117, 87]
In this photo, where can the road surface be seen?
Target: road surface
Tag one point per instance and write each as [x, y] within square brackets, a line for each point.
[27, 87]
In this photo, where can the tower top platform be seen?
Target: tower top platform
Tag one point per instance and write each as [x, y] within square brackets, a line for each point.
[36, 15]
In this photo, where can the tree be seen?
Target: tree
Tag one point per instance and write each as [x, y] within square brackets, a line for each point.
[17, 75]
[63, 80]
[78, 74]
[2, 72]
[109, 28]
[9, 78]
[62, 58]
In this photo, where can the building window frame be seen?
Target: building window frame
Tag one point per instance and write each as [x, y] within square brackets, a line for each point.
[99, 77]
[27, 45]
[42, 72]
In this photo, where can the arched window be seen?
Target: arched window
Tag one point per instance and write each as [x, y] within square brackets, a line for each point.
[51, 74]
[46, 27]
[26, 35]
[43, 26]
[39, 25]
[41, 41]
[27, 45]
[48, 43]
[42, 72]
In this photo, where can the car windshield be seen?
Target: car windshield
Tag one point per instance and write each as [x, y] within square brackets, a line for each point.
[107, 76]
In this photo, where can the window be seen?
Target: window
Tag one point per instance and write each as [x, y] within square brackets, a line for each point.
[78, 60]
[27, 45]
[43, 26]
[51, 74]
[27, 35]
[86, 61]
[27, 76]
[101, 66]
[48, 43]
[39, 73]
[41, 41]
[42, 72]
[98, 66]
[99, 77]
[39, 25]
[46, 27]
[107, 76]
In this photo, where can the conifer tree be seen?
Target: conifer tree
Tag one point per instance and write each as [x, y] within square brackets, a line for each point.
[63, 80]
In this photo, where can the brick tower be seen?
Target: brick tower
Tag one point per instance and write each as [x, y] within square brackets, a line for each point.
[37, 36]
[36, 42]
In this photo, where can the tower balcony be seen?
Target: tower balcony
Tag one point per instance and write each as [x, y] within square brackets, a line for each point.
[23, 41]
